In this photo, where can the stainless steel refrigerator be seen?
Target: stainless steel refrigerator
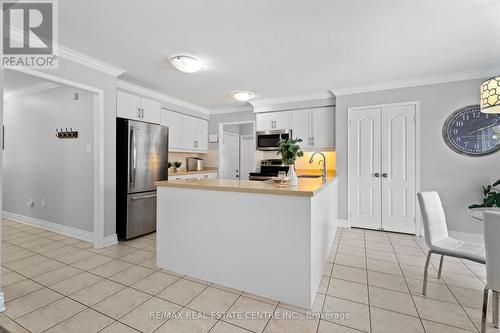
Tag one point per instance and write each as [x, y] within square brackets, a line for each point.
[141, 159]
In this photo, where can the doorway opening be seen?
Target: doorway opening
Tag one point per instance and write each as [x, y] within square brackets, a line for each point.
[52, 159]
[236, 150]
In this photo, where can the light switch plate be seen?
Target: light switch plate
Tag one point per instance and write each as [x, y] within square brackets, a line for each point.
[213, 138]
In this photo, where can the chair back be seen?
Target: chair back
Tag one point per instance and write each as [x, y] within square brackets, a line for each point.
[433, 217]
[492, 246]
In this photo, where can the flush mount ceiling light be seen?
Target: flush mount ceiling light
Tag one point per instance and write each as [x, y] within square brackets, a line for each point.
[242, 96]
[186, 63]
[490, 95]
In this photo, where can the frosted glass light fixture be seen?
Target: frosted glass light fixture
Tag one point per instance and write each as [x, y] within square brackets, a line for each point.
[490, 95]
[186, 63]
[242, 96]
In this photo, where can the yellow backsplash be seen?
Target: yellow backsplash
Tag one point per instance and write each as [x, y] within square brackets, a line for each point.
[303, 162]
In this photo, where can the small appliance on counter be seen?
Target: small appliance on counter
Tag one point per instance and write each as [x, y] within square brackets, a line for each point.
[268, 170]
[194, 164]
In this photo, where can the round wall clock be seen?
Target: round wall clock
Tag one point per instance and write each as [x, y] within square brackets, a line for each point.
[469, 131]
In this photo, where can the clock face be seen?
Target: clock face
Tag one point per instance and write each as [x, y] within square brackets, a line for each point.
[469, 131]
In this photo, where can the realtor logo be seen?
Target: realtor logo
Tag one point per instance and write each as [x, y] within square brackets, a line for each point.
[29, 33]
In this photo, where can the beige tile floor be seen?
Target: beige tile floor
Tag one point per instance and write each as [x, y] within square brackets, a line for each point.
[372, 283]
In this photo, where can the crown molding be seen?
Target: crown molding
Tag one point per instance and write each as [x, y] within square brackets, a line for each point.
[232, 109]
[290, 99]
[75, 56]
[159, 96]
[85, 60]
[417, 82]
[31, 89]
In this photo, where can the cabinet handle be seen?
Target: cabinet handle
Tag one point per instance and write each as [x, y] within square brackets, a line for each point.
[138, 112]
[384, 175]
[312, 140]
[377, 174]
[142, 112]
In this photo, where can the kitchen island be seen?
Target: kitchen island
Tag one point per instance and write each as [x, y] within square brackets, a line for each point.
[249, 235]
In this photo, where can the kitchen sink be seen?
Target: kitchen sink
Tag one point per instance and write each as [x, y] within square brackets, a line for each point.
[309, 176]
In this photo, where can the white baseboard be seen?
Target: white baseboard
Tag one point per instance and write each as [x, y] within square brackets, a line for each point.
[110, 240]
[2, 302]
[51, 226]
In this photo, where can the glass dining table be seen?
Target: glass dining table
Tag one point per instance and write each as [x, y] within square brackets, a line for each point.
[478, 213]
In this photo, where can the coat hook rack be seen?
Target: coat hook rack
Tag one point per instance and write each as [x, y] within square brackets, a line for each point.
[65, 134]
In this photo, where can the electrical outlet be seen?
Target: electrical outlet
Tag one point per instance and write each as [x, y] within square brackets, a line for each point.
[89, 148]
[42, 202]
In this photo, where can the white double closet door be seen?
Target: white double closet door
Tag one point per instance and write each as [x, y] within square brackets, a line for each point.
[382, 168]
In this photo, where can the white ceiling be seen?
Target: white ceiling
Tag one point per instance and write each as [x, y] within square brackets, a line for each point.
[283, 47]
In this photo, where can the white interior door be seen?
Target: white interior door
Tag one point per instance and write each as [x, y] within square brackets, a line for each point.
[364, 168]
[230, 155]
[247, 159]
[398, 169]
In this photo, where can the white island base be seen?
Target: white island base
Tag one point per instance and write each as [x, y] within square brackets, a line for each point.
[271, 245]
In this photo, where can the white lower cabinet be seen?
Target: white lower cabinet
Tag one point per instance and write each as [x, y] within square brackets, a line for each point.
[186, 133]
[199, 176]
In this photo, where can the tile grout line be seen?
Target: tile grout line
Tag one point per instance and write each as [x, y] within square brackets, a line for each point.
[407, 286]
[330, 276]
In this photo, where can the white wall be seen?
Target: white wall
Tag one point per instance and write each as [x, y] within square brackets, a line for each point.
[457, 178]
[38, 165]
[85, 75]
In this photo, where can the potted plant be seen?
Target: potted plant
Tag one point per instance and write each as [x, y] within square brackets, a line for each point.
[177, 165]
[169, 165]
[491, 196]
[289, 150]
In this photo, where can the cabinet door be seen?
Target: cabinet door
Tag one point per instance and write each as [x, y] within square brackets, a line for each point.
[282, 120]
[323, 128]
[301, 127]
[150, 110]
[265, 121]
[202, 134]
[189, 132]
[174, 122]
[128, 106]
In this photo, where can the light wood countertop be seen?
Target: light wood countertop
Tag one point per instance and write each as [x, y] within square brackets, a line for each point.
[185, 172]
[307, 187]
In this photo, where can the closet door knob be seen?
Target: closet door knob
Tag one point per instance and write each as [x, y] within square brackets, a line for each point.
[384, 175]
[376, 174]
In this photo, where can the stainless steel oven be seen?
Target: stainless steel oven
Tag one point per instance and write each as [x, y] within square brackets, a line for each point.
[268, 140]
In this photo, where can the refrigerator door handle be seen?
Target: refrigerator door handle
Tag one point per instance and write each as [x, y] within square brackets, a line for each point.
[133, 157]
[143, 197]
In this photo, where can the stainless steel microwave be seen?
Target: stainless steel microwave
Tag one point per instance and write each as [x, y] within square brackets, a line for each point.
[268, 140]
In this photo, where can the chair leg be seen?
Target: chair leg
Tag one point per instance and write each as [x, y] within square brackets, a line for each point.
[495, 308]
[440, 266]
[426, 269]
[485, 309]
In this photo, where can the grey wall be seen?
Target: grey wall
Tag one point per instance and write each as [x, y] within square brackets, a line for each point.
[38, 165]
[216, 119]
[457, 178]
[107, 83]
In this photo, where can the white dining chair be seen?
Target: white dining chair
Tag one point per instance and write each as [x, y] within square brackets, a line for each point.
[437, 238]
[492, 244]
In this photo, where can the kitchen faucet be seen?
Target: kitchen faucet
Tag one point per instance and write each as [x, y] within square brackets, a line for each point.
[323, 171]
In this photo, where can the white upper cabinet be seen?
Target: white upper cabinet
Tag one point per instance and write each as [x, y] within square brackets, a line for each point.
[323, 128]
[128, 106]
[273, 120]
[186, 133]
[134, 107]
[316, 127]
[301, 127]
[150, 110]
[174, 122]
